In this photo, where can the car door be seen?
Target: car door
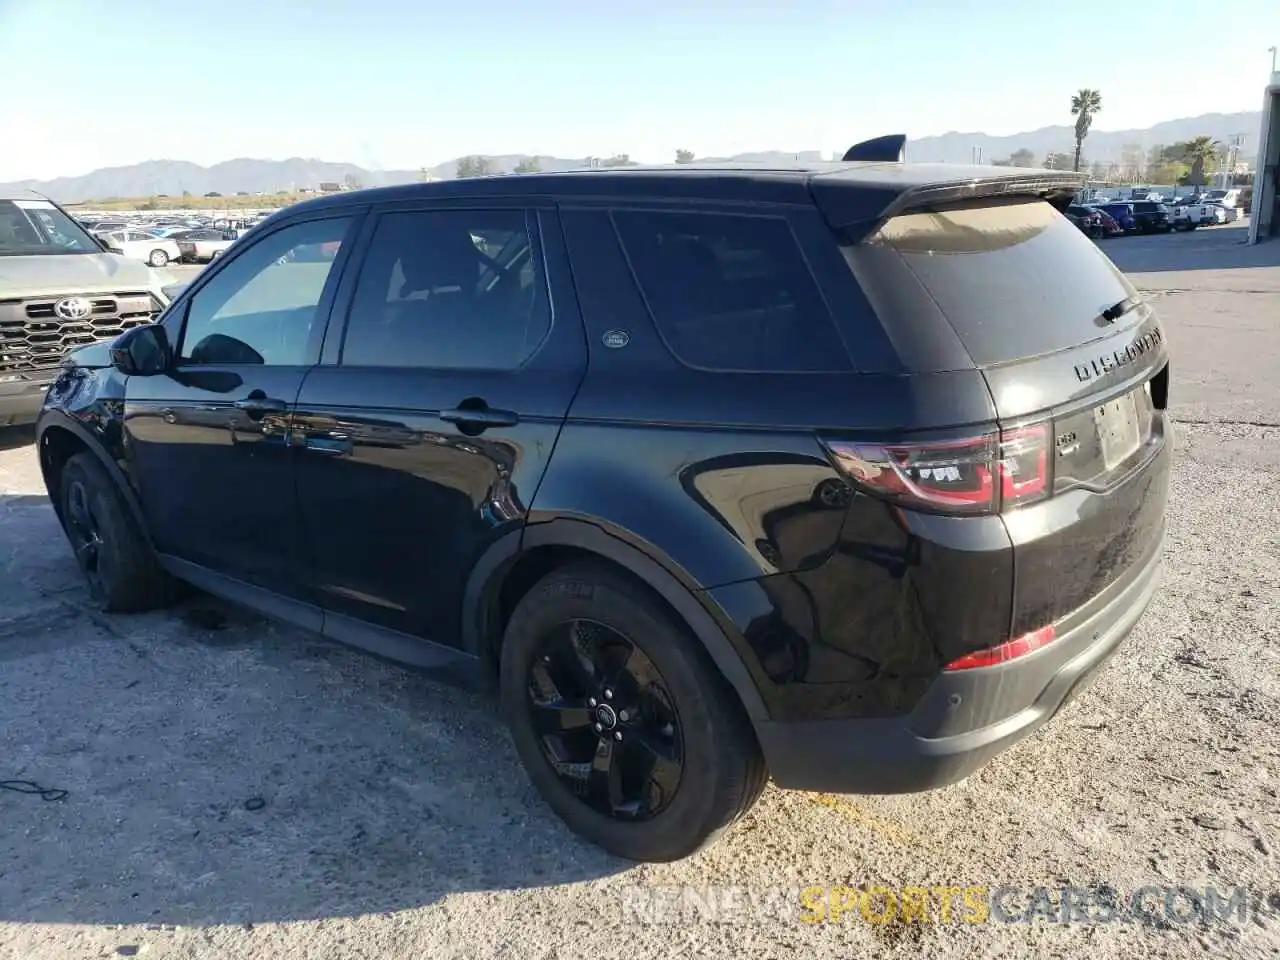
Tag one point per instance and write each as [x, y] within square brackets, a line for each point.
[208, 438]
[424, 433]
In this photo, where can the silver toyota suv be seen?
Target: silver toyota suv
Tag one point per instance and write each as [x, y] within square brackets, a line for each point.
[59, 289]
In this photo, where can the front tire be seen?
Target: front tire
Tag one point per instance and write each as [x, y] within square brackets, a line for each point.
[622, 721]
[111, 551]
[158, 258]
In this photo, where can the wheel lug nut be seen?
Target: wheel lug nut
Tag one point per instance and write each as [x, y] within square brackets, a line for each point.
[608, 694]
[599, 727]
[617, 734]
[591, 701]
[624, 716]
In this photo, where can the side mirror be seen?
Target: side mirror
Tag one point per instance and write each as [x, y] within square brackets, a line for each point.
[142, 351]
[102, 242]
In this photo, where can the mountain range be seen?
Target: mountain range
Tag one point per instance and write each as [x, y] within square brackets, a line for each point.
[174, 177]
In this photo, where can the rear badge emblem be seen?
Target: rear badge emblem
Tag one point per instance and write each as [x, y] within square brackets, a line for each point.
[615, 339]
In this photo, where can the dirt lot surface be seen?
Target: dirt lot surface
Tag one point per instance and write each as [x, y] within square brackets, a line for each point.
[248, 791]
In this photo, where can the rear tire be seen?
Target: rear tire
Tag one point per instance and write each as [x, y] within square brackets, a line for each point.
[685, 763]
[111, 551]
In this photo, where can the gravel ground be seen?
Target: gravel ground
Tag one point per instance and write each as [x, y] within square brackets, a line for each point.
[243, 790]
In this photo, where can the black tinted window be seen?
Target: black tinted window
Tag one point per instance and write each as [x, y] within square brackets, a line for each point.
[731, 292]
[1014, 279]
[457, 288]
[263, 306]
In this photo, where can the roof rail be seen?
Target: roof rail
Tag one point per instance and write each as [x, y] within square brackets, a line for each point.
[887, 149]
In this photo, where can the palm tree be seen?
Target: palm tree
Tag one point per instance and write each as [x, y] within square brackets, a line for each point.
[1199, 151]
[1084, 104]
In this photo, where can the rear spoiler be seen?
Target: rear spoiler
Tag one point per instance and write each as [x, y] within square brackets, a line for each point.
[855, 207]
[1052, 186]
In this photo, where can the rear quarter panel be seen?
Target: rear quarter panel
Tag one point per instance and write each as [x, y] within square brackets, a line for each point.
[721, 478]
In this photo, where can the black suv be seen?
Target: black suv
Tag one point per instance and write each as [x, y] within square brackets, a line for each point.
[1151, 216]
[848, 475]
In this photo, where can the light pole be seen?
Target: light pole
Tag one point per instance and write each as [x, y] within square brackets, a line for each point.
[1272, 51]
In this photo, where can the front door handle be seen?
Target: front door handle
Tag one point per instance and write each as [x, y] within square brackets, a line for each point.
[335, 445]
[477, 417]
[257, 404]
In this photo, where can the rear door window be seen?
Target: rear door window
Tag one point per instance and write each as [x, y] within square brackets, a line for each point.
[731, 292]
[1014, 278]
[449, 289]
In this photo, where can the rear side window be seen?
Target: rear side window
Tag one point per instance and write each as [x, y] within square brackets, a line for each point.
[731, 293]
[1014, 278]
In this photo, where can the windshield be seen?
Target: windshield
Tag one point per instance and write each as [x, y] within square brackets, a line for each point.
[37, 227]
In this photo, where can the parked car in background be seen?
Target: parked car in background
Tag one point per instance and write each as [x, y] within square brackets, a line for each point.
[1110, 228]
[1122, 213]
[166, 230]
[1228, 198]
[1187, 213]
[1223, 213]
[59, 290]
[1087, 219]
[102, 227]
[1151, 216]
[137, 245]
[198, 246]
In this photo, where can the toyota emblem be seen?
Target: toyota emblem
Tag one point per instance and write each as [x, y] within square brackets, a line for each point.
[73, 308]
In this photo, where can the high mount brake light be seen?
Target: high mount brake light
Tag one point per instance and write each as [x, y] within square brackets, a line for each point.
[974, 475]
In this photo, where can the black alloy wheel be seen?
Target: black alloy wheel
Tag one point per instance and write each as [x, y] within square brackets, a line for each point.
[110, 548]
[622, 719]
[606, 720]
[85, 532]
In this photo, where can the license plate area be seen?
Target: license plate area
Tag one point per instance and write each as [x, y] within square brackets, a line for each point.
[1119, 430]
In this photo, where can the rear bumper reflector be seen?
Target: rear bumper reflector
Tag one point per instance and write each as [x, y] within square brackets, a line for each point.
[1004, 652]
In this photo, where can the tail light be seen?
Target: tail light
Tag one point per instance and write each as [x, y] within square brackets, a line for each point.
[976, 475]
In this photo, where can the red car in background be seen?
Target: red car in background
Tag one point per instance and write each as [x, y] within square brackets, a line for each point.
[1110, 226]
[1087, 219]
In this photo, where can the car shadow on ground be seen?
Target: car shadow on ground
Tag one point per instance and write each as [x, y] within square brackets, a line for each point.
[11, 438]
[1209, 248]
[223, 769]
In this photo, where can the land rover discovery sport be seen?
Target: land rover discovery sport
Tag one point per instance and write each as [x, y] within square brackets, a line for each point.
[847, 475]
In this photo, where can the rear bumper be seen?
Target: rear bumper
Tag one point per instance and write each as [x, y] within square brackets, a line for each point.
[966, 717]
[20, 400]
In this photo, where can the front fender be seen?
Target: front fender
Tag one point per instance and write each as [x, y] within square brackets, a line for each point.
[87, 415]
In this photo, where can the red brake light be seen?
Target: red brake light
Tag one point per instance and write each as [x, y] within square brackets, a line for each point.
[1004, 652]
[975, 475]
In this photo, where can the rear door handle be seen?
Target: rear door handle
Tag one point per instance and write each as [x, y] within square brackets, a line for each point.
[480, 418]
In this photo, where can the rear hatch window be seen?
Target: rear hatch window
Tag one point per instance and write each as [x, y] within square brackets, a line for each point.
[1013, 278]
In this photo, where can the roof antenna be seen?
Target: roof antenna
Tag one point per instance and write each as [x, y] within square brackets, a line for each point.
[887, 149]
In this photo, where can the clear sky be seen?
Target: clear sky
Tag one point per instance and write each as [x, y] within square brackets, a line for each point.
[398, 84]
